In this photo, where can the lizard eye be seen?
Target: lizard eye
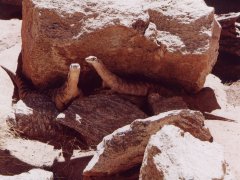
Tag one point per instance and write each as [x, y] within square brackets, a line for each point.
[91, 58]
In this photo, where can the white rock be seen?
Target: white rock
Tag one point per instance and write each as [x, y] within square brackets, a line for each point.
[174, 154]
[125, 147]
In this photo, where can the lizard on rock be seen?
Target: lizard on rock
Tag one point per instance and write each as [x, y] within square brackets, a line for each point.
[123, 86]
[61, 96]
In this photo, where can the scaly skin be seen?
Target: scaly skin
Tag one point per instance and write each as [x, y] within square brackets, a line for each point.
[116, 83]
[122, 86]
[69, 91]
[60, 96]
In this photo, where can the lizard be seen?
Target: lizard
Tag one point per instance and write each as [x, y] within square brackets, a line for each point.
[122, 86]
[91, 117]
[61, 96]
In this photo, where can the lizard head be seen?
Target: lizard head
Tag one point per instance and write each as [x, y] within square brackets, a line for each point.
[92, 59]
[74, 67]
[74, 71]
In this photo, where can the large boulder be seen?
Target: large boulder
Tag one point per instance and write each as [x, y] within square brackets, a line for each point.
[173, 41]
[124, 148]
[99, 115]
[174, 154]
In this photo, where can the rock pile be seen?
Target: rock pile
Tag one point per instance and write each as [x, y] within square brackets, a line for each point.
[125, 147]
[171, 42]
[174, 42]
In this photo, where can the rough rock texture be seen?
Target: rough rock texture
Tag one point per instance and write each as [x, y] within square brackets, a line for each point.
[174, 154]
[159, 104]
[124, 148]
[34, 117]
[99, 115]
[177, 40]
[93, 117]
[230, 35]
[36, 174]
[233, 94]
[204, 101]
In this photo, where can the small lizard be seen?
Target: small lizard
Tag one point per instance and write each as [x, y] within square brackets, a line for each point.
[62, 96]
[123, 86]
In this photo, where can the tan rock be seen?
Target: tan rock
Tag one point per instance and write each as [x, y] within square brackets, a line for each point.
[159, 104]
[124, 148]
[204, 101]
[93, 117]
[36, 174]
[174, 154]
[179, 46]
[99, 115]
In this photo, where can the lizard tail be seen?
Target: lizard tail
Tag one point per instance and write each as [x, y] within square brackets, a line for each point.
[22, 88]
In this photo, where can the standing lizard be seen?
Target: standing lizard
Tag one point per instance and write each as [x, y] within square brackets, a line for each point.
[62, 96]
[122, 86]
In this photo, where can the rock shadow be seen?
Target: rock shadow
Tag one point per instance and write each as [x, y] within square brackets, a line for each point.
[227, 67]
[67, 170]
[224, 6]
[10, 165]
[8, 11]
[204, 101]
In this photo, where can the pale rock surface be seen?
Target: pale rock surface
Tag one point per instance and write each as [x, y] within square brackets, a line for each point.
[159, 104]
[10, 34]
[34, 153]
[177, 40]
[226, 133]
[6, 89]
[34, 174]
[124, 148]
[10, 47]
[174, 154]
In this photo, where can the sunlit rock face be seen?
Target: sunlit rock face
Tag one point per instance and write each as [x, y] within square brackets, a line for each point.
[124, 148]
[174, 154]
[174, 42]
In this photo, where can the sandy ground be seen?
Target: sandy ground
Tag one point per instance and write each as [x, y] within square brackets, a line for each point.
[10, 47]
[19, 155]
[224, 132]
